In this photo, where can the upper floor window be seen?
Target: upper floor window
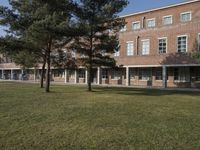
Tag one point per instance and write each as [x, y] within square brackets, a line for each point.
[186, 16]
[167, 20]
[116, 54]
[182, 44]
[145, 47]
[73, 53]
[123, 28]
[129, 48]
[136, 25]
[162, 45]
[151, 23]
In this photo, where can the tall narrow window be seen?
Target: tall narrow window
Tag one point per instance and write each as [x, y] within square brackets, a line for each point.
[81, 73]
[151, 23]
[182, 44]
[158, 73]
[167, 20]
[104, 73]
[129, 48]
[162, 45]
[198, 74]
[186, 16]
[145, 47]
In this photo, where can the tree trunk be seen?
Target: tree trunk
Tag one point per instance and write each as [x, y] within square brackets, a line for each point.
[48, 61]
[89, 78]
[42, 75]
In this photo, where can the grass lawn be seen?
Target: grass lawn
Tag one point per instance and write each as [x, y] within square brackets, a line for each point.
[107, 119]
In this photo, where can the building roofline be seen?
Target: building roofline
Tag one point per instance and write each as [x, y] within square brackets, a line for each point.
[160, 8]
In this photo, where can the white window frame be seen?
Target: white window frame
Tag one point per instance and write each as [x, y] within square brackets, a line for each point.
[161, 38]
[136, 22]
[186, 13]
[167, 17]
[142, 46]
[151, 20]
[129, 52]
[186, 43]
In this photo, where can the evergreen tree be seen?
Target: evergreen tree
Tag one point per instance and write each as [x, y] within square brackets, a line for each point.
[99, 25]
[43, 24]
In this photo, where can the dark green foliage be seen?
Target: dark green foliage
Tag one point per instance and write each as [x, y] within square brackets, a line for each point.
[42, 25]
[99, 25]
[196, 56]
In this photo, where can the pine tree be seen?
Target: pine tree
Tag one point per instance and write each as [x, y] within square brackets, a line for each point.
[43, 24]
[99, 25]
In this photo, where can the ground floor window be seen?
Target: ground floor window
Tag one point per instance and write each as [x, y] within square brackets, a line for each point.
[81, 73]
[104, 74]
[132, 73]
[198, 74]
[115, 74]
[58, 73]
[182, 74]
[145, 74]
[71, 73]
[158, 73]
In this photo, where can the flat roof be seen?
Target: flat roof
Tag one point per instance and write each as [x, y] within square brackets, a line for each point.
[169, 6]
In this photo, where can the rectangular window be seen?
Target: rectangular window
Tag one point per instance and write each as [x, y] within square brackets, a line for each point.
[132, 73]
[151, 23]
[198, 74]
[182, 44]
[81, 73]
[182, 74]
[167, 20]
[145, 47]
[136, 25]
[73, 54]
[104, 74]
[116, 54]
[129, 48]
[186, 16]
[115, 74]
[158, 73]
[145, 74]
[123, 28]
[162, 45]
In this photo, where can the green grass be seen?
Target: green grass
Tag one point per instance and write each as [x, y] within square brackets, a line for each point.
[109, 118]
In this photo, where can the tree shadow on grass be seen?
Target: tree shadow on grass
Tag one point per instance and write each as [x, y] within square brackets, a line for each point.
[141, 91]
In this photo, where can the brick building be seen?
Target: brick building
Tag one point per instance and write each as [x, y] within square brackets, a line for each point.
[155, 50]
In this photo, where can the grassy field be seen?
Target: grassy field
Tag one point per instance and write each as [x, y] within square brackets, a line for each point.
[107, 119]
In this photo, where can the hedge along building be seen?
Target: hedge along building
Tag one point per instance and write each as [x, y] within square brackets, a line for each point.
[155, 50]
